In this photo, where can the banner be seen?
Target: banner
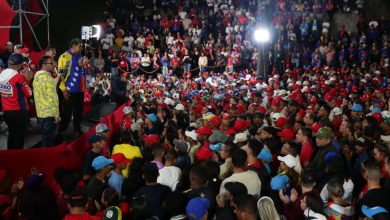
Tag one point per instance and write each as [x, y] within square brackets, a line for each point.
[7, 15]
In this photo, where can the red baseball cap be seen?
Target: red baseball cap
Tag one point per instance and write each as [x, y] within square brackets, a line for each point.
[24, 50]
[281, 121]
[120, 158]
[301, 113]
[261, 109]
[151, 139]
[286, 133]
[216, 121]
[204, 130]
[316, 127]
[239, 125]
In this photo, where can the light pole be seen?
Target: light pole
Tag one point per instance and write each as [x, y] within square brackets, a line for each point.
[262, 36]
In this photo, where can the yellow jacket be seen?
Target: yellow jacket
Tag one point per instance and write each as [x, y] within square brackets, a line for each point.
[45, 95]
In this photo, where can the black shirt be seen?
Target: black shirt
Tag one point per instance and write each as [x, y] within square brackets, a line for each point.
[95, 188]
[375, 197]
[87, 166]
[155, 195]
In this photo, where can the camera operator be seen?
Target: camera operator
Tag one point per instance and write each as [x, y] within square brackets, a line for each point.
[14, 91]
[72, 66]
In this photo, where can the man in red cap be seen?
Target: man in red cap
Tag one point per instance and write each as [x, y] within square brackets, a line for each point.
[116, 178]
[204, 151]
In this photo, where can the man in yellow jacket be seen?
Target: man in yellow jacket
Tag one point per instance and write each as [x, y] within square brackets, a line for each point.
[46, 100]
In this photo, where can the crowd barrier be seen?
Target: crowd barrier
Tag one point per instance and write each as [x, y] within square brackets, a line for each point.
[18, 163]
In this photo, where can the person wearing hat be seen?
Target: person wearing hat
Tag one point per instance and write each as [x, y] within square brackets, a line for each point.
[204, 151]
[151, 122]
[240, 174]
[328, 160]
[197, 208]
[192, 139]
[128, 118]
[14, 91]
[116, 178]
[72, 85]
[181, 117]
[183, 160]
[112, 213]
[169, 174]
[103, 131]
[46, 100]
[97, 144]
[78, 204]
[98, 182]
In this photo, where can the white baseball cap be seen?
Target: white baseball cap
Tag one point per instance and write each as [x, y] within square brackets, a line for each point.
[191, 134]
[289, 160]
[240, 137]
[337, 111]
[179, 107]
[127, 110]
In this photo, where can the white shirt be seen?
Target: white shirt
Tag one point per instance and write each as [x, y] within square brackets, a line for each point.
[249, 178]
[169, 176]
[106, 42]
[129, 40]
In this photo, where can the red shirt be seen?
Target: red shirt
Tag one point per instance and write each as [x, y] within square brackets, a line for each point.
[14, 90]
[306, 153]
[85, 216]
[204, 152]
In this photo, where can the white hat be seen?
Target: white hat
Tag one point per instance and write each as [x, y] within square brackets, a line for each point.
[101, 128]
[289, 160]
[240, 137]
[282, 92]
[299, 83]
[127, 110]
[276, 116]
[179, 107]
[169, 101]
[191, 134]
[337, 111]
[385, 114]
[175, 96]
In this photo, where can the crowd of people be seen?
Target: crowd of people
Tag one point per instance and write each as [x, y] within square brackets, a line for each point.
[203, 136]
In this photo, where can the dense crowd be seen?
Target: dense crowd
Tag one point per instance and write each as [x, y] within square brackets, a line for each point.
[204, 136]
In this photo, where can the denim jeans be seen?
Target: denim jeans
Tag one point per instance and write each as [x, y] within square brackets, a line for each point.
[187, 67]
[48, 130]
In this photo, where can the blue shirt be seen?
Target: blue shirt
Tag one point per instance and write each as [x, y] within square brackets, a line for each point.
[115, 181]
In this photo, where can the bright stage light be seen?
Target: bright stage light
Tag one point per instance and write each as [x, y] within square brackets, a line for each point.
[262, 35]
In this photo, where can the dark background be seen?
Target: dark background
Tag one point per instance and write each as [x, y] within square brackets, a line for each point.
[67, 17]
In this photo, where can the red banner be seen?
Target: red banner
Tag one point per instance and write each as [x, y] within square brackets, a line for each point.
[7, 15]
[18, 163]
